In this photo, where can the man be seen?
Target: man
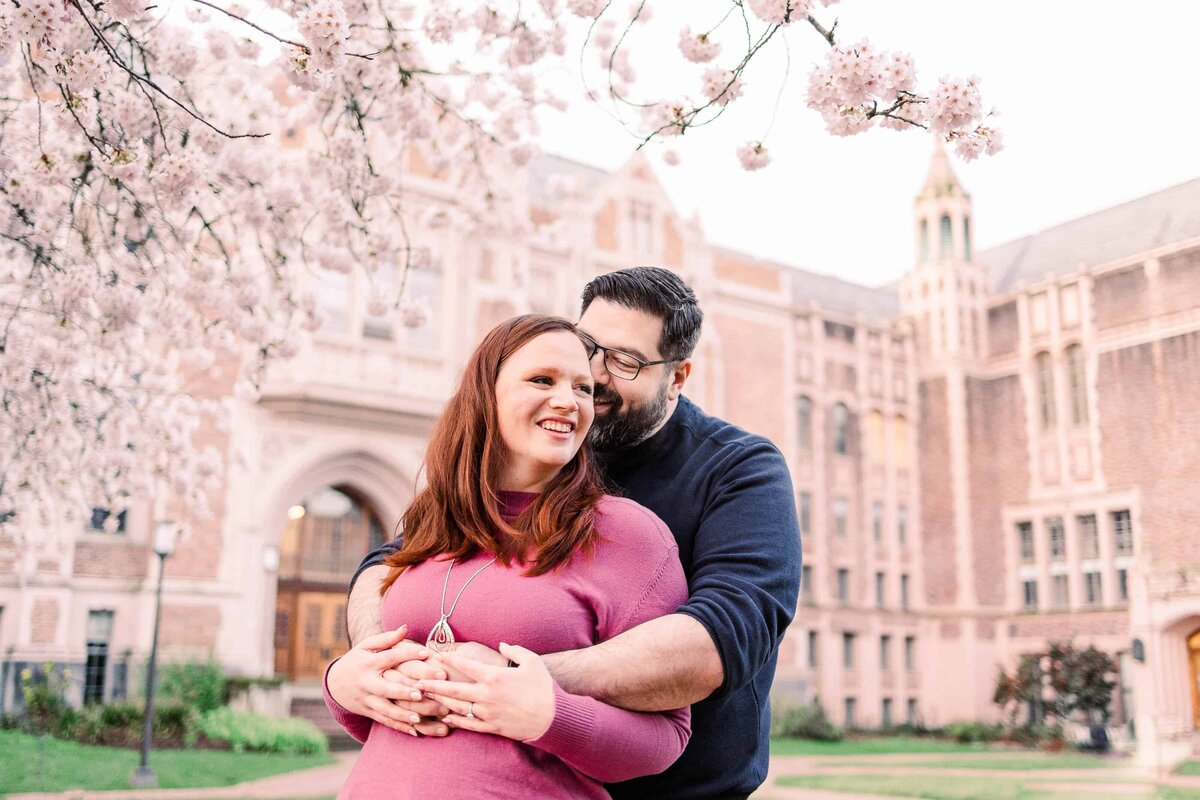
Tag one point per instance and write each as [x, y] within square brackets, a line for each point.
[726, 496]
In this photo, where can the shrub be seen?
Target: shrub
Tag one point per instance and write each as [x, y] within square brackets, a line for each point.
[972, 732]
[1049, 737]
[199, 685]
[254, 732]
[803, 722]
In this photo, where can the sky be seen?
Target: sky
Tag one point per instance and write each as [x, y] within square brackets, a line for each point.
[1099, 105]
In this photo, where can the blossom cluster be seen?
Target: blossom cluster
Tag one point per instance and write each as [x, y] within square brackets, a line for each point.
[173, 193]
[854, 86]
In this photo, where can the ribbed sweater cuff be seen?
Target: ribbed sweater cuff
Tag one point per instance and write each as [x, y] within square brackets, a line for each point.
[571, 730]
[354, 724]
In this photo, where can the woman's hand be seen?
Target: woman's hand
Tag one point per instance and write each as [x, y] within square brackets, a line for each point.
[514, 703]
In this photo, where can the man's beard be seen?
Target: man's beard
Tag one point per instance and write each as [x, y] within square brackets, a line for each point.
[622, 428]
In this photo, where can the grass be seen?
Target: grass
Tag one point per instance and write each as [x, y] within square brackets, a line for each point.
[1188, 768]
[871, 746]
[1020, 761]
[70, 765]
[934, 788]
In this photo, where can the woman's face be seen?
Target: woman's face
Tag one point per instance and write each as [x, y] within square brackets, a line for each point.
[544, 406]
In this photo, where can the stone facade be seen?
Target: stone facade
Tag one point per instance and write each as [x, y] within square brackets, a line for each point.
[996, 451]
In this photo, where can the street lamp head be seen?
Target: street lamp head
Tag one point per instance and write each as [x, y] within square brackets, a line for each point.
[165, 534]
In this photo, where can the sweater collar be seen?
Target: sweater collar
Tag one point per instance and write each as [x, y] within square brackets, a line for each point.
[512, 504]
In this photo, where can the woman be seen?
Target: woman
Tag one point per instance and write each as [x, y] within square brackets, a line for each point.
[514, 540]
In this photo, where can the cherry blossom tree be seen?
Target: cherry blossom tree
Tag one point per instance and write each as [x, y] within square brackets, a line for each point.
[159, 225]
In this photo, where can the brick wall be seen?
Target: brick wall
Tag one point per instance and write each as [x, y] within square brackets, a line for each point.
[190, 626]
[1149, 424]
[728, 267]
[756, 391]
[43, 621]
[198, 555]
[1180, 279]
[999, 475]
[1065, 626]
[111, 559]
[606, 227]
[1003, 329]
[1120, 297]
[937, 503]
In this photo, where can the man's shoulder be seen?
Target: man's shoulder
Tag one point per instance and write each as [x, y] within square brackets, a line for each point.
[713, 433]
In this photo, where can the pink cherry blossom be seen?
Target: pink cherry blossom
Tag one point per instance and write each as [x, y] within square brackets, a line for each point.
[721, 86]
[697, 48]
[753, 156]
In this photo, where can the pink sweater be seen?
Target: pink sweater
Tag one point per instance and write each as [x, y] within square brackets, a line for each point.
[634, 576]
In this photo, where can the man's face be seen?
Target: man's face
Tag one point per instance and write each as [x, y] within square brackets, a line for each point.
[627, 412]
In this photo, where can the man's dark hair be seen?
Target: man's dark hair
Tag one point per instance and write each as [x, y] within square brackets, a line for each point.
[659, 292]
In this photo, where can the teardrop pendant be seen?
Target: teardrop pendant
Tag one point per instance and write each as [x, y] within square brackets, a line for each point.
[441, 637]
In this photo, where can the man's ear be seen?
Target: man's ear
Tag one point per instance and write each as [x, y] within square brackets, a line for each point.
[682, 370]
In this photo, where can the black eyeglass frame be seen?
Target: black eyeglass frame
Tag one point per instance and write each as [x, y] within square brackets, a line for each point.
[597, 347]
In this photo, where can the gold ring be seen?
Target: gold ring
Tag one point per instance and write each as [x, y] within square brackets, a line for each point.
[470, 711]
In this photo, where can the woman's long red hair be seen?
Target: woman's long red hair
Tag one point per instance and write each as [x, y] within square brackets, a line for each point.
[458, 513]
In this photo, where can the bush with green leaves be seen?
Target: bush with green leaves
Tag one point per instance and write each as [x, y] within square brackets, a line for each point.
[196, 684]
[803, 722]
[244, 731]
[968, 732]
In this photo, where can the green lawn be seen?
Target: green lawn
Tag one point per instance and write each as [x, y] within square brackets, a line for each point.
[1188, 768]
[69, 765]
[870, 747]
[933, 788]
[1019, 761]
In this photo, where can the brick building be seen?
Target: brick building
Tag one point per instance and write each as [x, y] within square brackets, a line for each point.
[995, 451]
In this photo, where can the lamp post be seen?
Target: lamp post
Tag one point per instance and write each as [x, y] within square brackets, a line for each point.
[143, 777]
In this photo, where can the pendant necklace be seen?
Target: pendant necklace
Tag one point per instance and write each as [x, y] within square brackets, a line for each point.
[441, 637]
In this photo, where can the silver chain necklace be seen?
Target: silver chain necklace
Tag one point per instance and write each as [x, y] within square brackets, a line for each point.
[441, 637]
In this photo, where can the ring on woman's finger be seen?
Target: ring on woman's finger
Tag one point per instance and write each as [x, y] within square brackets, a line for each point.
[470, 711]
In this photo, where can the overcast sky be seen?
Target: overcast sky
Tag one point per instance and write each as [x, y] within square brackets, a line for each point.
[1099, 103]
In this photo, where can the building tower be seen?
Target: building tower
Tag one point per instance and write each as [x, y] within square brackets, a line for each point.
[944, 298]
[944, 292]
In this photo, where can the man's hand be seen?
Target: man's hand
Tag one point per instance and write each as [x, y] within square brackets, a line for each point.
[356, 681]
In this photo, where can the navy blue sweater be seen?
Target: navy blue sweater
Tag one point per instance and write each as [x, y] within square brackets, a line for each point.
[727, 497]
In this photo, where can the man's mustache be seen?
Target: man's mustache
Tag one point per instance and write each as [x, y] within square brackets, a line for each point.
[606, 395]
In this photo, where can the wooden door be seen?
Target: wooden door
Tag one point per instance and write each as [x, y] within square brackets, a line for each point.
[320, 632]
[1194, 663]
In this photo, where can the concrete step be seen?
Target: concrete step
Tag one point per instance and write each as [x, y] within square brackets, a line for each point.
[313, 709]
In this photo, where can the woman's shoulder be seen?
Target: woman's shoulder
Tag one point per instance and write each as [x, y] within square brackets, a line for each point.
[630, 522]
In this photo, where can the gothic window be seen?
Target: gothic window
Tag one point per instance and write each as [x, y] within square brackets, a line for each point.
[946, 246]
[804, 423]
[966, 238]
[1077, 373]
[1089, 539]
[1122, 526]
[924, 244]
[1025, 532]
[1045, 382]
[841, 428]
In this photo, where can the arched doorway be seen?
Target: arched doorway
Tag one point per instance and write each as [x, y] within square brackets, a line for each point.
[325, 538]
[1194, 673]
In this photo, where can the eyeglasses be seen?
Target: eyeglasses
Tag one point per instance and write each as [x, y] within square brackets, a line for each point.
[619, 364]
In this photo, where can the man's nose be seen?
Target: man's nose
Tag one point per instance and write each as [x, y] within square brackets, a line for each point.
[599, 371]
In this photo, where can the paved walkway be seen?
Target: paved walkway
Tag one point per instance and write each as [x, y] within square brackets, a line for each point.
[316, 782]
[1120, 783]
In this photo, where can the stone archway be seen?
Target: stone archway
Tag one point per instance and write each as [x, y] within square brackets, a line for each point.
[324, 539]
[304, 612]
